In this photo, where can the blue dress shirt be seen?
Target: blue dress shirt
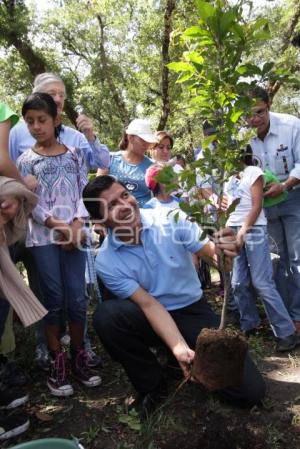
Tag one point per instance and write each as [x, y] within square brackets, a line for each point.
[162, 264]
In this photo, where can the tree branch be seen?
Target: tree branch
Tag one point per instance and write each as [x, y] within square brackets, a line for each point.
[107, 73]
[274, 86]
[170, 7]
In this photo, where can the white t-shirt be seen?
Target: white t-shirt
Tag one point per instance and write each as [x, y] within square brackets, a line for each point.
[178, 168]
[154, 203]
[243, 191]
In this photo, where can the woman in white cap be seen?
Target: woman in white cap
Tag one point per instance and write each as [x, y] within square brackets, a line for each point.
[130, 164]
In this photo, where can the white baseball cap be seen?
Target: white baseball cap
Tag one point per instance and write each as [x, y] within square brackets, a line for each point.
[141, 128]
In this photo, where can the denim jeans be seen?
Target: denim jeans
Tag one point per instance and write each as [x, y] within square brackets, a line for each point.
[284, 230]
[253, 267]
[19, 253]
[62, 282]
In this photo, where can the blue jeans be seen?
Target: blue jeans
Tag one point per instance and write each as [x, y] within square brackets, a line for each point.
[253, 267]
[284, 230]
[19, 253]
[62, 282]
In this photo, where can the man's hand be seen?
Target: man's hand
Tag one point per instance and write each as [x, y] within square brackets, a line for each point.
[225, 241]
[184, 356]
[226, 244]
[85, 126]
[274, 189]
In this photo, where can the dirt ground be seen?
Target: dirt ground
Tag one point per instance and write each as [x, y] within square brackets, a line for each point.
[190, 419]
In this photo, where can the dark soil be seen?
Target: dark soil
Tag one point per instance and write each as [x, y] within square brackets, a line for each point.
[191, 418]
[219, 358]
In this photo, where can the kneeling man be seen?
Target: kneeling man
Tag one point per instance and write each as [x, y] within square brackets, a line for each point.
[146, 262]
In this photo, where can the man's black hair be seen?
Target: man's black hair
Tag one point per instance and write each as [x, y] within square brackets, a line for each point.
[93, 190]
[260, 93]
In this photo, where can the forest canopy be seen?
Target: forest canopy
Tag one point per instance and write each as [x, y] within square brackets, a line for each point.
[113, 56]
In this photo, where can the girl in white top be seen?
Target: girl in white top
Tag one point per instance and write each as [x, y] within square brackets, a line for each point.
[253, 266]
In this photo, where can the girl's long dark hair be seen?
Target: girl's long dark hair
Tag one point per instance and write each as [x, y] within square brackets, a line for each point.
[40, 101]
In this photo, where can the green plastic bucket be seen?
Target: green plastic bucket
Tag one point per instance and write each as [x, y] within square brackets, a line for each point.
[49, 443]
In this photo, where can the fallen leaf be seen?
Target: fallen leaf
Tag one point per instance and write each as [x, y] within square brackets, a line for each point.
[43, 416]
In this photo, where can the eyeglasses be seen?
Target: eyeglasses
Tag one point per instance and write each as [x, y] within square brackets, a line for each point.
[53, 93]
[258, 112]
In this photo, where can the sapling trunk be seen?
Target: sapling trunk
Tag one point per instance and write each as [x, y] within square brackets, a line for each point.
[220, 353]
[226, 284]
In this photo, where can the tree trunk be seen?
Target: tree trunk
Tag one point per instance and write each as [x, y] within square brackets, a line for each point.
[17, 36]
[274, 86]
[170, 7]
[107, 74]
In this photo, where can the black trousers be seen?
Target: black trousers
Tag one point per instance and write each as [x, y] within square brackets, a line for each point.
[127, 336]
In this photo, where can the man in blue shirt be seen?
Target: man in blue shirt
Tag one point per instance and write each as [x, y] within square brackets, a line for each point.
[147, 264]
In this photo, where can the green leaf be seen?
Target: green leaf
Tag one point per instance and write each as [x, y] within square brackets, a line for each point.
[226, 21]
[259, 23]
[206, 142]
[263, 34]
[248, 70]
[267, 67]
[194, 31]
[195, 57]
[205, 9]
[166, 175]
[184, 77]
[235, 116]
[180, 66]
[203, 234]
[131, 420]
[238, 31]
[185, 207]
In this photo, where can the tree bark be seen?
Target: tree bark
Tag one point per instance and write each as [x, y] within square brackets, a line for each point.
[17, 36]
[274, 86]
[107, 74]
[170, 7]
